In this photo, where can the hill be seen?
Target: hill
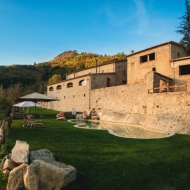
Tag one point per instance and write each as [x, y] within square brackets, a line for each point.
[72, 59]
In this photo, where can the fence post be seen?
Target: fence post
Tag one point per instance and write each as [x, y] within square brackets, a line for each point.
[2, 134]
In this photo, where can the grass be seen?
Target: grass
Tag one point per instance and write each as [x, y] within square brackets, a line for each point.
[106, 162]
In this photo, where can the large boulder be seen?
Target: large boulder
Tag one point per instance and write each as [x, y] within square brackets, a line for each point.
[15, 180]
[42, 154]
[20, 152]
[42, 175]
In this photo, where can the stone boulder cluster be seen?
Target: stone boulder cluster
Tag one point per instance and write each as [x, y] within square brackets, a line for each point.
[90, 115]
[35, 170]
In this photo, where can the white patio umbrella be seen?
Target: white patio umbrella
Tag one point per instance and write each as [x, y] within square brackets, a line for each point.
[26, 104]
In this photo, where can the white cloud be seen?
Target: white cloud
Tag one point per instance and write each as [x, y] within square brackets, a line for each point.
[119, 17]
[132, 14]
[141, 16]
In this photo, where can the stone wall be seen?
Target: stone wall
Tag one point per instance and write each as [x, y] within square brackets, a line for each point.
[113, 66]
[99, 69]
[177, 51]
[100, 80]
[167, 111]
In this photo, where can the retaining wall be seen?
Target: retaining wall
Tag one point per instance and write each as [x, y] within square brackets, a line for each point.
[169, 111]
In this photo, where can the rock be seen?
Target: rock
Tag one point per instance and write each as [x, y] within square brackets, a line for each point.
[3, 161]
[42, 154]
[6, 172]
[95, 117]
[78, 116]
[42, 175]
[15, 180]
[44, 172]
[20, 152]
[46, 156]
[9, 165]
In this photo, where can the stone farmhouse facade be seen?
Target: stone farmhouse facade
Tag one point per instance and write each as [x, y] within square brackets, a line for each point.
[74, 92]
[149, 88]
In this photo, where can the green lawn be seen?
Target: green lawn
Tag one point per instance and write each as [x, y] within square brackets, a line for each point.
[106, 162]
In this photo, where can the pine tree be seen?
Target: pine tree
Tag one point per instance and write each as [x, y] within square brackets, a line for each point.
[184, 27]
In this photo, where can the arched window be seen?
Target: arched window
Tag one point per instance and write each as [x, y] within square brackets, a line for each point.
[70, 85]
[50, 88]
[82, 82]
[58, 87]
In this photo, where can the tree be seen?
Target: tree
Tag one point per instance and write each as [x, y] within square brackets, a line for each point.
[184, 27]
[55, 78]
[13, 93]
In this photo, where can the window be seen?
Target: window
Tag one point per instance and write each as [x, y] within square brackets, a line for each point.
[143, 59]
[184, 70]
[70, 85]
[146, 58]
[82, 82]
[154, 69]
[151, 56]
[59, 87]
[73, 96]
[84, 95]
[51, 89]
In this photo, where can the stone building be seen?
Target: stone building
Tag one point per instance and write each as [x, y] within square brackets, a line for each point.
[157, 58]
[149, 88]
[74, 92]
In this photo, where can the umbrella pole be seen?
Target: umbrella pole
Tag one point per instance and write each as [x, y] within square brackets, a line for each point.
[35, 111]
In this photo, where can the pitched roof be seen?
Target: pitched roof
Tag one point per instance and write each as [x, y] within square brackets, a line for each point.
[163, 44]
[180, 58]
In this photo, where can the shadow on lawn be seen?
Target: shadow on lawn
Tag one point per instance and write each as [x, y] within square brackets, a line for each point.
[79, 183]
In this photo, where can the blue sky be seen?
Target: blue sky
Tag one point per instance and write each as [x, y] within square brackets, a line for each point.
[39, 30]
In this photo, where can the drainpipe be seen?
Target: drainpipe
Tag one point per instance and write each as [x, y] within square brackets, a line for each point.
[96, 66]
[89, 90]
[99, 66]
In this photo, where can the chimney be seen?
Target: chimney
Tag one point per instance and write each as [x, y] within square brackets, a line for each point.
[132, 51]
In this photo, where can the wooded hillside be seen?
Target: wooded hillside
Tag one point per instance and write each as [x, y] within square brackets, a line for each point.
[32, 76]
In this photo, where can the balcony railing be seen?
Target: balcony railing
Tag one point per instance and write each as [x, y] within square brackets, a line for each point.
[168, 88]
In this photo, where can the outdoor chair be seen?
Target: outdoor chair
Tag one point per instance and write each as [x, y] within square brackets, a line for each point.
[60, 116]
[29, 123]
